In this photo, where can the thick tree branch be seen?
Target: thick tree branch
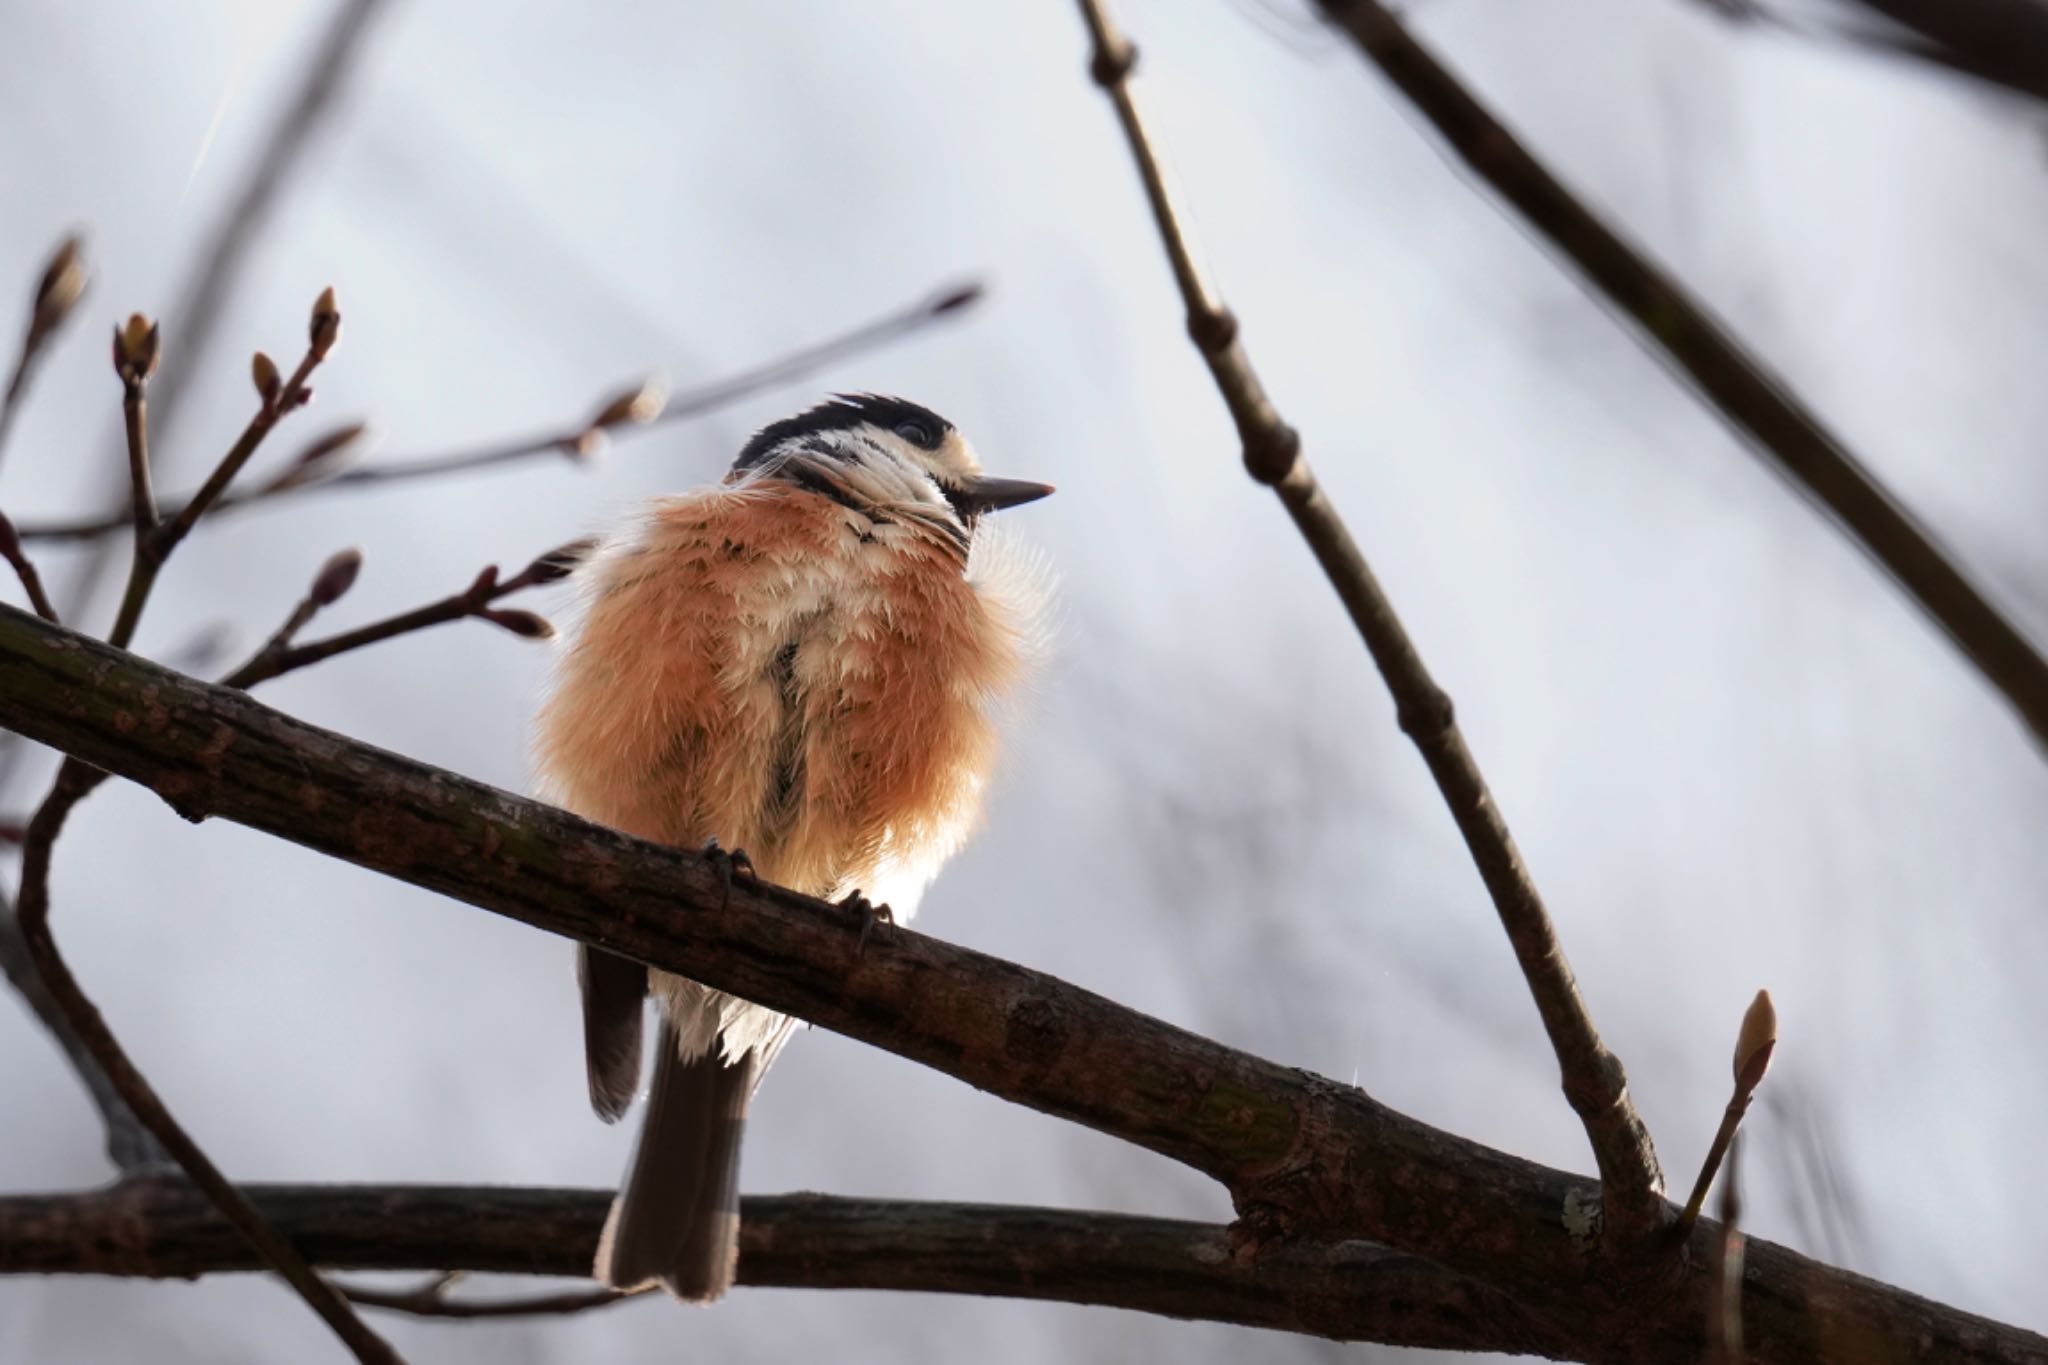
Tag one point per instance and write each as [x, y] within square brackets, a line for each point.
[1592, 1075]
[1350, 1291]
[1739, 386]
[1322, 1160]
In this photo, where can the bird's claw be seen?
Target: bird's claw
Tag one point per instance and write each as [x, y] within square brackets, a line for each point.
[870, 915]
[729, 864]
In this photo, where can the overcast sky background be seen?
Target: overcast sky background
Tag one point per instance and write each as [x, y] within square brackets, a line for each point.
[1734, 755]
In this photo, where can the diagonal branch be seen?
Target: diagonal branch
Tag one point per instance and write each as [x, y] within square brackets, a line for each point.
[1326, 1158]
[572, 439]
[130, 1146]
[1631, 1179]
[1740, 387]
[1352, 1291]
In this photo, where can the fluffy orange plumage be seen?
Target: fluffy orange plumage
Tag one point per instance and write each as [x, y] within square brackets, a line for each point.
[802, 663]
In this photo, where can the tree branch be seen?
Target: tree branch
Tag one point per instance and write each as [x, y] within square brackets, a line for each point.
[1326, 1161]
[1352, 1291]
[572, 439]
[59, 288]
[1593, 1078]
[1747, 394]
[25, 569]
[130, 1146]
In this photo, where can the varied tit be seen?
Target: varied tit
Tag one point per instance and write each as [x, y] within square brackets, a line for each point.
[802, 663]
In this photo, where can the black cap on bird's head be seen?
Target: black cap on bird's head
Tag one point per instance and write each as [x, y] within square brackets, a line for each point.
[855, 427]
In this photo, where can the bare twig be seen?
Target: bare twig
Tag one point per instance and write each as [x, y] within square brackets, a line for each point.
[578, 440]
[59, 288]
[1594, 1082]
[154, 546]
[1739, 386]
[130, 1146]
[200, 304]
[74, 781]
[136, 346]
[1754, 1045]
[135, 359]
[24, 569]
[432, 1300]
[280, 655]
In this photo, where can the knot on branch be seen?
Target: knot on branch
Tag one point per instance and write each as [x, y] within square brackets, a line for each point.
[1212, 329]
[1428, 718]
[1113, 63]
[1270, 452]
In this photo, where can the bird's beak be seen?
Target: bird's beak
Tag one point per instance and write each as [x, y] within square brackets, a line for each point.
[985, 494]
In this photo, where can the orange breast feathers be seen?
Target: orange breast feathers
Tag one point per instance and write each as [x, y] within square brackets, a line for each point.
[763, 666]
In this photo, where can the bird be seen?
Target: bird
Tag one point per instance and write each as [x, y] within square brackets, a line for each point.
[800, 670]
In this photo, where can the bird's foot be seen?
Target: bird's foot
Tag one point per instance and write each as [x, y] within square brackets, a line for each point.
[870, 915]
[729, 864]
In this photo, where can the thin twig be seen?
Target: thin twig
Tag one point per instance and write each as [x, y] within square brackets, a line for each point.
[431, 1300]
[203, 298]
[1754, 1045]
[25, 569]
[154, 547]
[75, 780]
[135, 358]
[1593, 1079]
[130, 1146]
[279, 655]
[1739, 386]
[58, 289]
[572, 440]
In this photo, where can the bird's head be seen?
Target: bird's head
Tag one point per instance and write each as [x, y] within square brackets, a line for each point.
[886, 458]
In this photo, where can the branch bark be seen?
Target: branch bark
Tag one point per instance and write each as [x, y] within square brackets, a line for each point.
[1353, 1291]
[1739, 386]
[1313, 1159]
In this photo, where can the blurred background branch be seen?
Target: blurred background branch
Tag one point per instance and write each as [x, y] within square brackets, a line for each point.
[322, 466]
[1746, 392]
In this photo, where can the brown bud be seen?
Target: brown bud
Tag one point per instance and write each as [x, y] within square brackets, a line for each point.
[486, 582]
[1754, 1043]
[135, 349]
[62, 285]
[529, 625]
[336, 577]
[263, 371]
[953, 300]
[10, 539]
[633, 407]
[559, 562]
[324, 328]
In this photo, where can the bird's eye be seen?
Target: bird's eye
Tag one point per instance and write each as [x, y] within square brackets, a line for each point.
[918, 433]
